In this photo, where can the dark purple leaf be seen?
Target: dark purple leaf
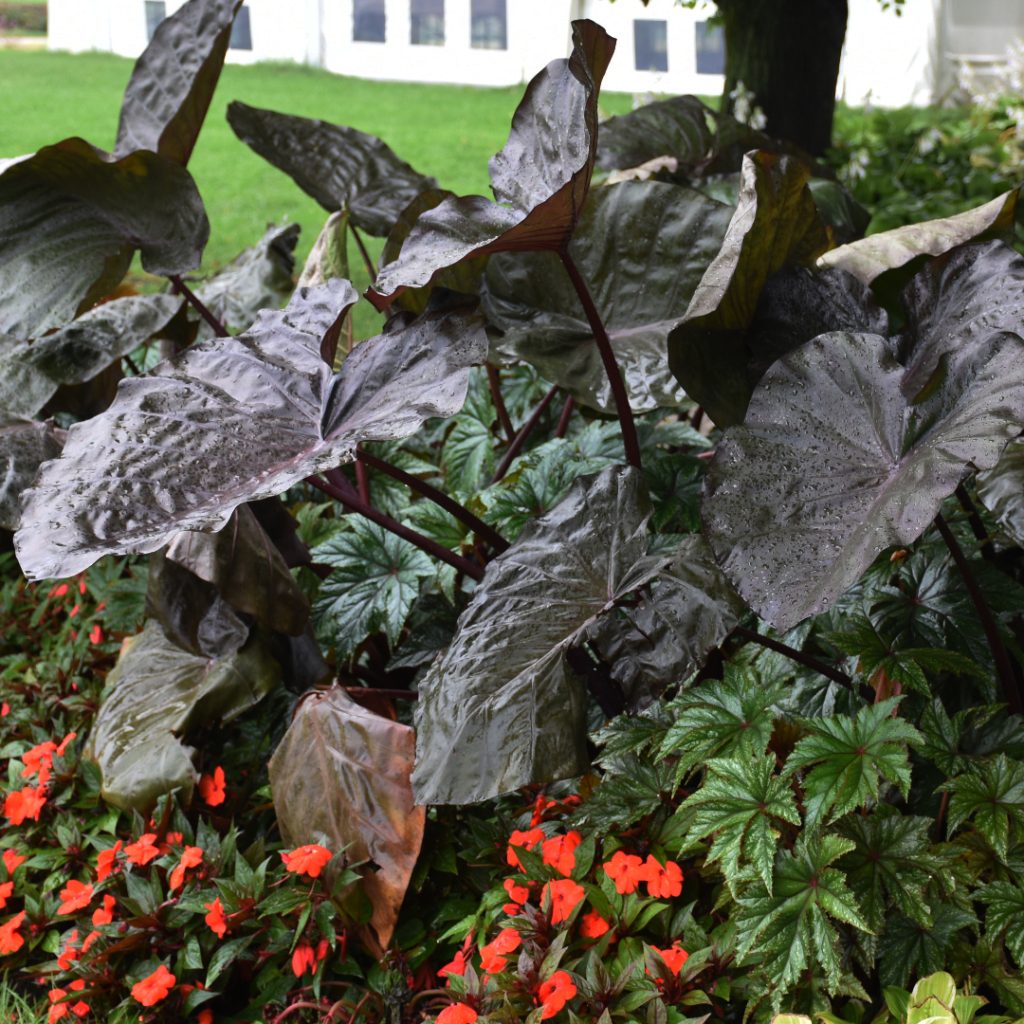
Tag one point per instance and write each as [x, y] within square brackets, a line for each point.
[24, 446]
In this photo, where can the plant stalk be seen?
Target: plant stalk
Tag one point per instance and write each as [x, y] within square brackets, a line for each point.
[974, 520]
[800, 657]
[362, 480]
[371, 267]
[494, 383]
[197, 304]
[563, 420]
[485, 532]
[352, 501]
[1004, 666]
[524, 432]
[611, 367]
[375, 691]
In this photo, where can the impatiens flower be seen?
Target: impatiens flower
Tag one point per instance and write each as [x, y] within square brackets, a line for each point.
[5, 709]
[457, 1013]
[74, 896]
[593, 925]
[215, 918]
[461, 959]
[24, 803]
[106, 861]
[90, 939]
[190, 858]
[303, 959]
[554, 993]
[154, 987]
[307, 860]
[663, 881]
[6, 891]
[12, 860]
[65, 743]
[38, 760]
[104, 914]
[96, 635]
[626, 870]
[60, 1006]
[211, 787]
[142, 851]
[559, 852]
[565, 895]
[518, 894]
[674, 957]
[205, 1016]
[528, 840]
[11, 940]
[70, 953]
[492, 956]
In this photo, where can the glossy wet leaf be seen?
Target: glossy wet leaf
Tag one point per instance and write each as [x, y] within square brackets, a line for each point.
[153, 696]
[1005, 915]
[71, 219]
[32, 371]
[173, 81]
[1001, 490]
[834, 464]
[906, 950]
[340, 167]
[776, 224]
[340, 777]
[663, 237]
[500, 709]
[539, 179]
[238, 419]
[24, 446]
[990, 795]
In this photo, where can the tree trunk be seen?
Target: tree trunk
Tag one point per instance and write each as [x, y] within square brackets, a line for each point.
[786, 52]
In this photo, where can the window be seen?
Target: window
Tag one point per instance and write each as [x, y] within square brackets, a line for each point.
[488, 25]
[427, 22]
[156, 11]
[650, 45]
[710, 49]
[241, 31]
[368, 21]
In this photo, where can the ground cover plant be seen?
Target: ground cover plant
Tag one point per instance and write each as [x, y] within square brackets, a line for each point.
[628, 631]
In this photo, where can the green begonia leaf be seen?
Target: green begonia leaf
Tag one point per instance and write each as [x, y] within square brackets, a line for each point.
[1005, 915]
[340, 778]
[24, 446]
[990, 794]
[907, 950]
[153, 696]
[663, 237]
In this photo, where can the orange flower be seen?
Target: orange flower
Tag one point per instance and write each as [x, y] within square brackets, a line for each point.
[663, 881]
[215, 918]
[75, 895]
[461, 959]
[528, 839]
[60, 1008]
[675, 956]
[96, 635]
[154, 987]
[565, 896]
[559, 852]
[24, 803]
[70, 953]
[518, 894]
[308, 860]
[6, 891]
[90, 939]
[492, 958]
[104, 914]
[457, 1013]
[211, 787]
[142, 851]
[12, 860]
[303, 959]
[593, 925]
[106, 861]
[11, 939]
[191, 856]
[64, 743]
[554, 993]
[38, 760]
[626, 870]
[205, 1016]
[5, 709]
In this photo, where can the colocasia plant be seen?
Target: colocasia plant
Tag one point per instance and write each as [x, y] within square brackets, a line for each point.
[645, 481]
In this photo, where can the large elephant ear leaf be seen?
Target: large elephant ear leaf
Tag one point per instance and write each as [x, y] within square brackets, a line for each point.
[154, 694]
[32, 371]
[24, 446]
[834, 463]
[539, 179]
[341, 778]
[500, 709]
[663, 237]
[776, 224]
[238, 419]
[339, 167]
[173, 81]
[71, 220]
[1001, 490]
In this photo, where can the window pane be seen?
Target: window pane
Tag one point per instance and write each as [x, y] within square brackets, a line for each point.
[650, 44]
[368, 21]
[710, 49]
[156, 11]
[241, 31]
[488, 26]
[427, 22]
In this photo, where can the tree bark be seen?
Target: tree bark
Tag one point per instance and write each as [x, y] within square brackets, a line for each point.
[786, 52]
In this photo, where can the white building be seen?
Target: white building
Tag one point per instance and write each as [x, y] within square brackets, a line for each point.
[663, 48]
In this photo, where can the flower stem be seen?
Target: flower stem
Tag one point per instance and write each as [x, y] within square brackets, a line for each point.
[196, 303]
[494, 383]
[611, 367]
[379, 691]
[800, 657]
[524, 432]
[563, 420]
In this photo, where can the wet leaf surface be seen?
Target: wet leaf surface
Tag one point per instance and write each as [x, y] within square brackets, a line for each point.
[24, 446]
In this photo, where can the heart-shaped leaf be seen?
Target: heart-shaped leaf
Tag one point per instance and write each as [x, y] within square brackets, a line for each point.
[71, 218]
[154, 694]
[499, 709]
[539, 179]
[340, 777]
[32, 371]
[237, 419]
[776, 224]
[341, 168]
[173, 81]
[1001, 490]
[663, 237]
[24, 446]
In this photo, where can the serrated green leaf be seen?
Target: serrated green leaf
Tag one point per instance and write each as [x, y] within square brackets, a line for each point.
[991, 795]
[1005, 914]
[908, 949]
